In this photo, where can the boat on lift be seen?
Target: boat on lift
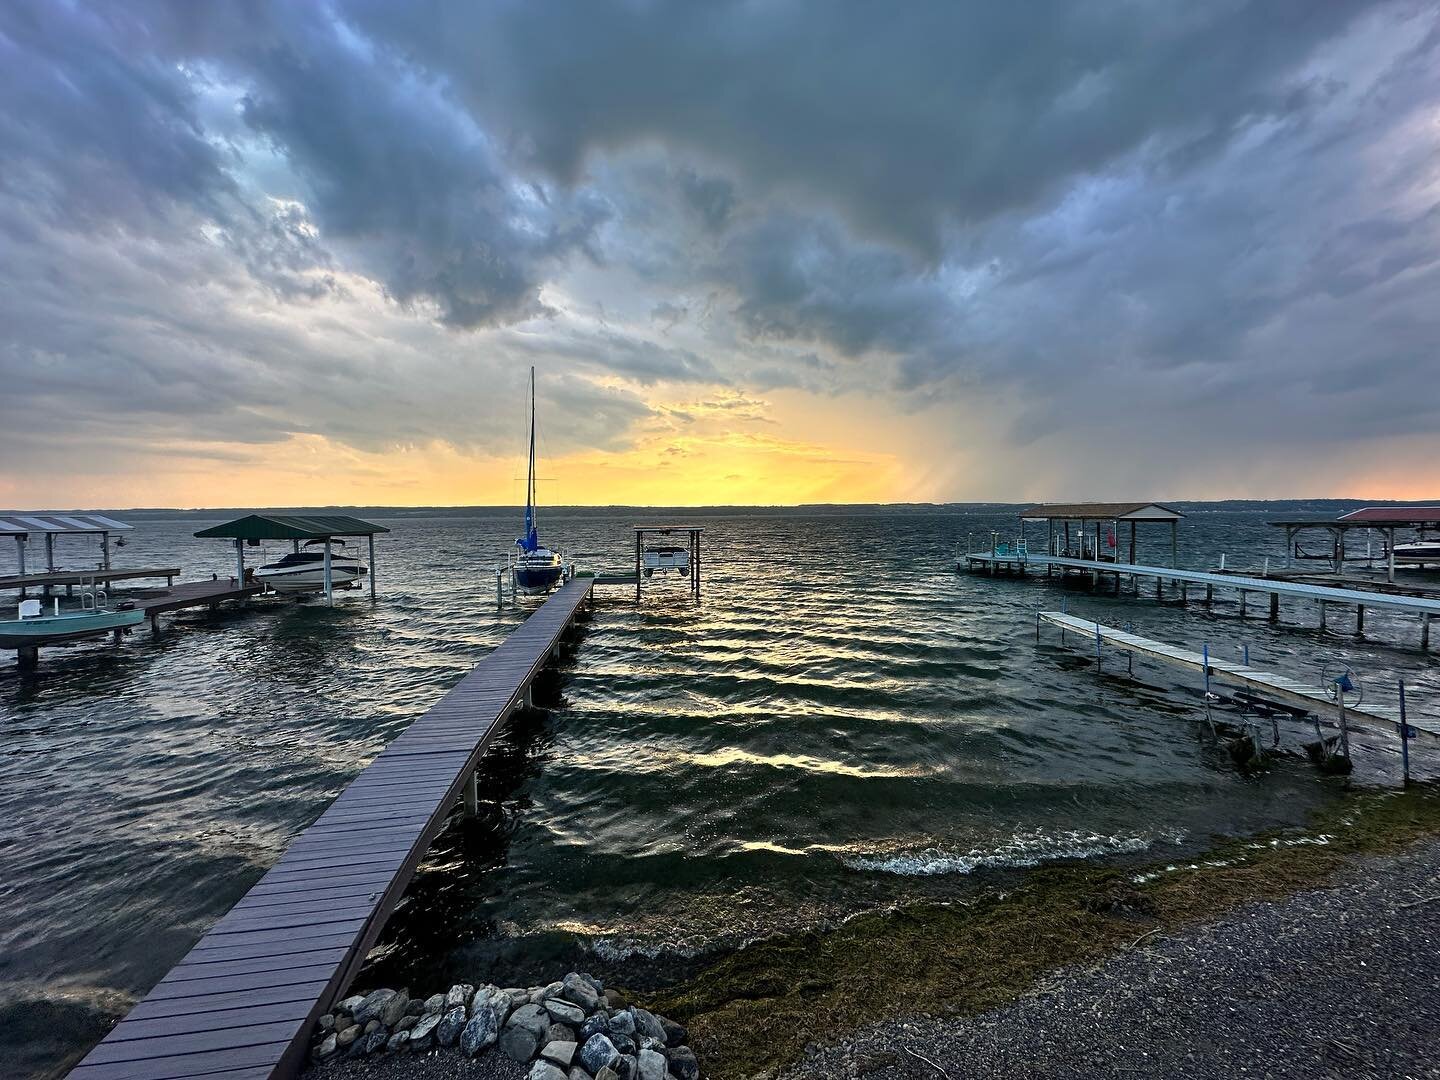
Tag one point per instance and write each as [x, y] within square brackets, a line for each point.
[32, 628]
[534, 568]
[662, 557]
[304, 570]
[1418, 551]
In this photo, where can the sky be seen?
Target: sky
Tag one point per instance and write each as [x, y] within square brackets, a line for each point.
[760, 252]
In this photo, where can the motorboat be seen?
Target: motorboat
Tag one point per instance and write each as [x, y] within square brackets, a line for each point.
[663, 557]
[304, 570]
[1418, 551]
[32, 628]
[534, 568]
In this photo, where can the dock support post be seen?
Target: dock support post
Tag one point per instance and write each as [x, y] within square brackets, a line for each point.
[527, 697]
[1174, 545]
[20, 559]
[1344, 727]
[1425, 632]
[1097, 648]
[105, 550]
[1209, 595]
[637, 565]
[50, 552]
[1242, 603]
[1390, 555]
[329, 582]
[28, 657]
[1321, 604]
[372, 565]
[472, 794]
[499, 588]
[1275, 607]
[1404, 738]
[154, 627]
[1359, 620]
[239, 562]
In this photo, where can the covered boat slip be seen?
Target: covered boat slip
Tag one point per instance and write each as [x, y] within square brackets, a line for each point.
[1058, 518]
[295, 941]
[256, 528]
[24, 528]
[1385, 520]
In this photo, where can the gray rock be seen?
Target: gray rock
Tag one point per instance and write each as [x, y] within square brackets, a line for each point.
[595, 984]
[372, 1006]
[613, 999]
[578, 991]
[598, 1053]
[675, 1034]
[374, 1041]
[424, 1029]
[577, 1073]
[626, 1067]
[553, 989]
[559, 1033]
[647, 1024]
[395, 1008]
[399, 1041]
[543, 1070]
[481, 1032]
[607, 1074]
[624, 1043]
[562, 1012]
[683, 1063]
[532, 1018]
[371, 1025]
[517, 1044]
[653, 1066]
[596, 1025]
[349, 1035]
[460, 994]
[561, 1053]
[435, 1004]
[406, 1022]
[536, 996]
[350, 1004]
[415, 1008]
[647, 1043]
[327, 1048]
[450, 1025]
[326, 1022]
[622, 1023]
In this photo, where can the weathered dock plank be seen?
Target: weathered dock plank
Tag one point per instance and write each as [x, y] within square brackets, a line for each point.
[300, 934]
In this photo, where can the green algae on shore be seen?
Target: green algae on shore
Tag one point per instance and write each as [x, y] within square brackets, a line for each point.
[753, 1012]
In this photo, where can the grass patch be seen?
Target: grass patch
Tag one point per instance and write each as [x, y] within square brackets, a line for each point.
[752, 1012]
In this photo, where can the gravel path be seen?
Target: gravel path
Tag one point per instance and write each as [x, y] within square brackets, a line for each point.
[1341, 982]
[435, 1065]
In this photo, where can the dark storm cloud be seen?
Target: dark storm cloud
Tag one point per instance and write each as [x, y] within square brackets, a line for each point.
[1085, 213]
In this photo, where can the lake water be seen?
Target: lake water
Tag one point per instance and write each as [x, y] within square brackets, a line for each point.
[843, 723]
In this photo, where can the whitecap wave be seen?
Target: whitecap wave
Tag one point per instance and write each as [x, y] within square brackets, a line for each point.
[1021, 850]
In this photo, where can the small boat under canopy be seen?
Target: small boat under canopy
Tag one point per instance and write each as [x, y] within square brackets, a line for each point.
[304, 571]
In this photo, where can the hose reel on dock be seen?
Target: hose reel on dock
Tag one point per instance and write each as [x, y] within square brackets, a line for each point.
[1342, 685]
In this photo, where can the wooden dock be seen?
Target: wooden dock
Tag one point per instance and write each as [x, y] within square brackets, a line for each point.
[287, 951]
[194, 594]
[1013, 561]
[1313, 699]
[85, 577]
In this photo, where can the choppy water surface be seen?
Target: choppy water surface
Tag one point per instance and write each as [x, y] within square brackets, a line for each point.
[842, 723]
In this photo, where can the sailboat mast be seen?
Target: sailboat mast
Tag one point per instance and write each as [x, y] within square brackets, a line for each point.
[530, 471]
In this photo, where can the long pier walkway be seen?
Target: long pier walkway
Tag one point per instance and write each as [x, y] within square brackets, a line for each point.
[299, 936]
[1017, 562]
[70, 578]
[1313, 699]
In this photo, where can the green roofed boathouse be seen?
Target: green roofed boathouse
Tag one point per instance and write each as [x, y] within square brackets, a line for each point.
[255, 528]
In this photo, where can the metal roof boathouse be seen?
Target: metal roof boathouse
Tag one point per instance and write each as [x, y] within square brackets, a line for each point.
[1101, 513]
[255, 528]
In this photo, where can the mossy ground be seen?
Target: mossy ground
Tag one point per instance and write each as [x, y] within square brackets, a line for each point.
[752, 1013]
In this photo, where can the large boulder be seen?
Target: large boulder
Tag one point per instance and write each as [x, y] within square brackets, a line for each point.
[675, 1034]
[683, 1063]
[563, 1012]
[653, 1066]
[395, 1009]
[543, 1070]
[372, 1006]
[459, 994]
[647, 1024]
[598, 1053]
[561, 1053]
[517, 1044]
[423, 1033]
[577, 990]
[451, 1024]
[532, 1018]
[622, 1023]
[480, 1032]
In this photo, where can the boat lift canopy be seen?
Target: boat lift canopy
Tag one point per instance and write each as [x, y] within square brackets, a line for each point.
[254, 528]
[1116, 514]
[50, 525]
[1385, 519]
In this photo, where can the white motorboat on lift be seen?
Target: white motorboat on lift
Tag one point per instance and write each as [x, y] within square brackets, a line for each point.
[662, 557]
[304, 570]
[1418, 551]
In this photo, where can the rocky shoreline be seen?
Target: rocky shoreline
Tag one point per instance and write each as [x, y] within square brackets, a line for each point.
[573, 1029]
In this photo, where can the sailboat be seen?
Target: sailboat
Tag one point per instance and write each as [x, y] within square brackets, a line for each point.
[536, 568]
